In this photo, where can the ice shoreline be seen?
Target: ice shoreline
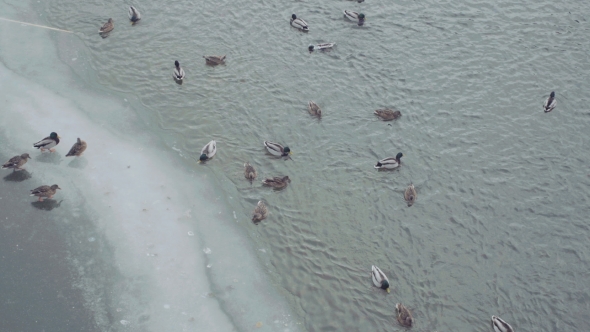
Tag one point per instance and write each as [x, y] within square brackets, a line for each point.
[141, 200]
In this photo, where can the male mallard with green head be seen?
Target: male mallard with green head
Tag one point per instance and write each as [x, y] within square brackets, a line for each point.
[48, 142]
[17, 162]
[390, 162]
[359, 18]
[379, 278]
[77, 149]
[277, 150]
[277, 182]
[45, 191]
[134, 15]
[208, 151]
[500, 325]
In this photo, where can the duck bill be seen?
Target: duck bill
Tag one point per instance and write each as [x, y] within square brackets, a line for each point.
[388, 290]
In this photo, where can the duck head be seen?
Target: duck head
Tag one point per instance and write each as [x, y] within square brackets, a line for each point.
[176, 64]
[286, 151]
[310, 48]
[552, 95]
[55, 186]
[25, 156]
[399, 156]
[53, 135]
[385, 285]
[294, 16]
[203, 157]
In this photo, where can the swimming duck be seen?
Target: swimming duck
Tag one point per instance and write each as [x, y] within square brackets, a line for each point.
[387, 114]
[178, 71]
[107, 27]
[355, 17]
[500, 325]
[214, 59]
[45, 191]
[277, 182]
[379, 278]
[249, 172]
[134, 15]
[260, 212]
[320, 47]
[390, 162]
[550, 103]
[16, 162]
[404, 316]
[410, 195]
[208, 151]
[77, 149]
[299, 23]
[277, 150]
[314, 109]
[48, 142]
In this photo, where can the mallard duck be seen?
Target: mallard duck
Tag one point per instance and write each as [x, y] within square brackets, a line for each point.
[45, 191]
[48, 142]
[299, 23]
[77, 149]
[107, 27]
[277, 182]
[16, 162]
[249, 172]
[277, 150]
[208, 151]
[379, 278]
[355, 17]
[134, 15]
[410, 195]
[550, 103]
[500, 325]
[260, 212]
[320, 47]
[390, 162]
[387, 114]
[404, 316]
[314, 109]
[214, 59]
[178, 71]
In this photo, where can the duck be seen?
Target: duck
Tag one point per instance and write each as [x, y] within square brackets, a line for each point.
[404, 316]
[77, 149]
[277, 182]
[260, 212]
[249, 172]
[299, 23]
[314, 109]
[178, 71]
[107, 27]
[45, 191]
[390, 162]
[387, 114]
[208, 151]
[410, 195]
[134, 15]
[48, 142]
[214, 59]
[500, 325]
[16, 162]
[355, 17]
[550, 103]
[277, 150]
[379, 278]
[320, 47]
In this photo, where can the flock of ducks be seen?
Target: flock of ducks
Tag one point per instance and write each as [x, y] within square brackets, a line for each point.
[16, 163]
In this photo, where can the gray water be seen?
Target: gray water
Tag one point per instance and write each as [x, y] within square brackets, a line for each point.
[499, 227]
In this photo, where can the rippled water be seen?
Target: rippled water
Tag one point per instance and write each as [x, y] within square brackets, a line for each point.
[500, 226]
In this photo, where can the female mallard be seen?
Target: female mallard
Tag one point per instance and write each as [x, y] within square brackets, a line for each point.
[404, 316]
[379, 278]
[16, 162]
[299, 23]
[500, 325]
[249, 172]
[355, 17]
[48, 142]
[134, 15]
[45, 191]
[260, 212]
[277, 150]
[107, 27]
[77, 149]
[314, 109]
[208, 151]
[388, 114]
[410, 195]
[178, 71]
[277, 182]
[390, 162]
[550, 103]
[320, 47]
[214, 59]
